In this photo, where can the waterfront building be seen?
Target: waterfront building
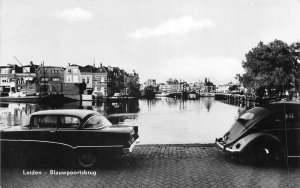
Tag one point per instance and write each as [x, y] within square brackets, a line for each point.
[118, 85]
[87, 78]
[133, 85]
[50, 79]
[150, 82]
[26, 79]
[224, 88]
[8, 79]
[100, 80]
[166, 88]
[72, 74]
[14, 78]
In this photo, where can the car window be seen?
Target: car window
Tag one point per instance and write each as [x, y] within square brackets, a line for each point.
[245, 117]
[69, 122]
[292, 119]
[96, 122]
[45, 121]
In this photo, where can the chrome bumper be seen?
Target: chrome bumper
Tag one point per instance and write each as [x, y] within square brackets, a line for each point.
[129, 150]
[220, 144]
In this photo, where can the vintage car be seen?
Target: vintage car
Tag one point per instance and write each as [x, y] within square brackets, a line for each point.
[265, 134]
[84, 135]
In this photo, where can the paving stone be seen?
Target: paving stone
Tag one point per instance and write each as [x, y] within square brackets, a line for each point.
[163, 166]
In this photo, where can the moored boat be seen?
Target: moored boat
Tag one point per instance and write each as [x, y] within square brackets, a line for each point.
[162, 94]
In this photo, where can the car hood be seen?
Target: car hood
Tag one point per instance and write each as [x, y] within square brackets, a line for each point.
[239, 128]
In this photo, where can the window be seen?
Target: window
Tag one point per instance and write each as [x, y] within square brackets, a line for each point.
[69, 122]
[83, 80]
[55, 79]
[75, 78]
[68, 78]
[48, 121]
[69, 70]
[87, 80]
[96, 122]
[245, 117]
[4, 71]
[44, 79]
[26, 69]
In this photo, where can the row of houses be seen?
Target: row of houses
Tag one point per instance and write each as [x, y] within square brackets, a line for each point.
[196, 87]
[71, 80]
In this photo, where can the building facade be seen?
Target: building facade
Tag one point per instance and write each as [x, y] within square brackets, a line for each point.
[87, 78]
[50, 79]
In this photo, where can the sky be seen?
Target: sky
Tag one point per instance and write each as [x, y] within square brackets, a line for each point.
[159, 39]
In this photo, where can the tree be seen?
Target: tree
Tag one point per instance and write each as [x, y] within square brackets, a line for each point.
[233, 88]
[150, 91]
[207, 82]
[272, 67]
[172, 81]
[169, 81]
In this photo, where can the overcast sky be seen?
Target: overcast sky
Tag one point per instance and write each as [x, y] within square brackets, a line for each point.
[159, 39]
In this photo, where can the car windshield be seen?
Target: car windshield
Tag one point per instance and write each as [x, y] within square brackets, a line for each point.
[246, 117]
[96, 122]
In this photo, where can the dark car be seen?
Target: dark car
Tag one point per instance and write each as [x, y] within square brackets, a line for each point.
[263, 134]
[84, 135]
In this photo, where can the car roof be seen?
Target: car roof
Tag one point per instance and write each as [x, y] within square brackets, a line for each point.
[81, 113]
[283, 105]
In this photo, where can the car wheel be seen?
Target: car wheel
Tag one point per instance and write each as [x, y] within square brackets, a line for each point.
[86, 159]
[262, 154]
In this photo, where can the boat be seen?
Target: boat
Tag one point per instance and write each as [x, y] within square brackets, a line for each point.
[162, 94]
[15, 97]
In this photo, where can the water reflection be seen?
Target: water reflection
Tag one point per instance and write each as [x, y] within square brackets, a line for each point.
[160, 121]
[15, 113]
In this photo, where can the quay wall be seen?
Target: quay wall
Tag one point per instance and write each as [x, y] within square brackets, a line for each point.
[234, 98]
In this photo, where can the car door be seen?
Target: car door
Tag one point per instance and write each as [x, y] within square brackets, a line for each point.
[40, 138]
[292, 123]
[67, 133]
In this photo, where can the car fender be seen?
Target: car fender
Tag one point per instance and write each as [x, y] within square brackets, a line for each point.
[246, 142]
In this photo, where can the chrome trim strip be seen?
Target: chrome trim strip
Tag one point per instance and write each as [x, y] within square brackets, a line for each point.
[294, 156]
[129, 150]
[59, 143]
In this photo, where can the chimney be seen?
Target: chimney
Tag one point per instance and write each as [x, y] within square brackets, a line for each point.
[31, 63]
[69, 64]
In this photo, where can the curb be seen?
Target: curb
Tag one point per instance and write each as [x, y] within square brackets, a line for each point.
[179, 145]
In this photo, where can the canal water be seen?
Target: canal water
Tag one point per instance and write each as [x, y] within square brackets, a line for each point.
[160, 121]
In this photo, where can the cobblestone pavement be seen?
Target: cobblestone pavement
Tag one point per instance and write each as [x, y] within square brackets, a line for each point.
[161, 166]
